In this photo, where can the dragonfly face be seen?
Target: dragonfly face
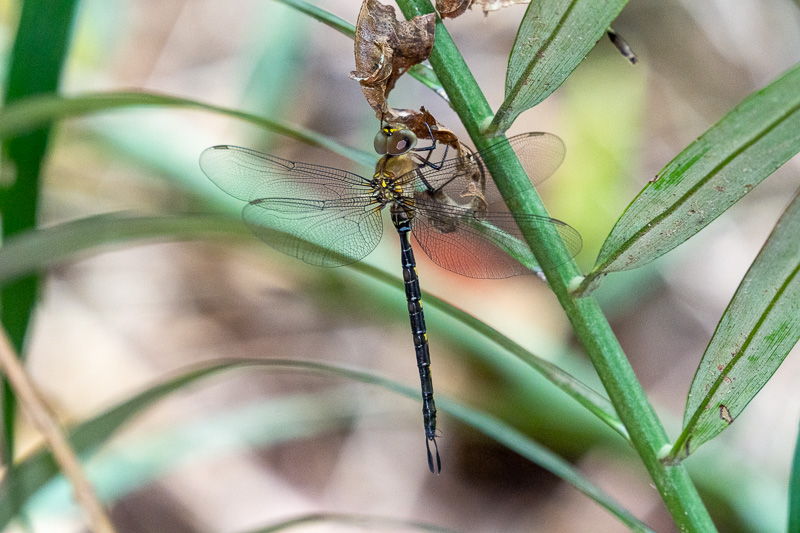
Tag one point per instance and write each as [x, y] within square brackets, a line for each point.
[330, 217]
[393, 139]
[393, 181]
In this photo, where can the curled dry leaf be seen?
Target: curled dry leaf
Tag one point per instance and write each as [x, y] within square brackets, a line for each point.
[452, 8]
[424, 126]
[385, 48]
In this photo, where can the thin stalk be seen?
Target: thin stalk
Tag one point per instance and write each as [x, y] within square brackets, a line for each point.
[590, 325]
[43, 419]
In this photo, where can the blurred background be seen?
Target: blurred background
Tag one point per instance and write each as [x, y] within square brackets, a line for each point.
[248, 448]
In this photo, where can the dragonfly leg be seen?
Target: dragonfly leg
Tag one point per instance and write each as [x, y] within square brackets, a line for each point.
[427, 160]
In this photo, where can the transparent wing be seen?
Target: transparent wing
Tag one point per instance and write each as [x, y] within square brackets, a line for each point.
[321, 215]
[462, 223]
[539, 153]
[249, 175]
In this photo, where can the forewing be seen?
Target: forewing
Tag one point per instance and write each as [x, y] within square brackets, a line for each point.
[249, 175]
[322, 215]
[539, 153]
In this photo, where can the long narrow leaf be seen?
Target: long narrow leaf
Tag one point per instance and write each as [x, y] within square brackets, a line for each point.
[552, 40]
[37, 59]
[36, 111]
[32, 473]
[754, 336]
[51, 246]
[708, 177]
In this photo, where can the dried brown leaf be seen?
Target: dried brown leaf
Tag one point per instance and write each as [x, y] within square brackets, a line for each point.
[424, 125]
[452, 8]
[385, 48]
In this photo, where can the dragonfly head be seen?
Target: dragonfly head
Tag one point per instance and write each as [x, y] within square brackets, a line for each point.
[394, 139]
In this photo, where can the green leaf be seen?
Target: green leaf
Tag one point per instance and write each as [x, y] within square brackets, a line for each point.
[40, 50]
[754, 336]
[40, 249]
[321, 15]
[36, 111]
[34, 472]
[708, 177]
[553, 38]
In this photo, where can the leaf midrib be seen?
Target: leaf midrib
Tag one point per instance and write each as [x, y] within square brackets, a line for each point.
[654, 222]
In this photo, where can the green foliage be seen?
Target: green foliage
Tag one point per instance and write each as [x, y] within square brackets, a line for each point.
[754, 336]
[546, 51]
[37, 59]
[708, 177]
[752, 339]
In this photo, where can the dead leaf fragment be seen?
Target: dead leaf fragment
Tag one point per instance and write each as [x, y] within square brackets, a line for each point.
[725, 414]
[452, 8]
[424, 126]
[385, 48]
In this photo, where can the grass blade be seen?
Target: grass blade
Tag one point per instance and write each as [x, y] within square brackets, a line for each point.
[37, 59]
[754, 336]
[553, 38]
[37, 111]
[32, 473]
[48, 247]
[708, 177]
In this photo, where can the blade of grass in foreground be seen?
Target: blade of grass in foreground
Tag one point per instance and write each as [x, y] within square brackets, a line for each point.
[47, 247]
[33, 472]
[757, 331]
[37, 111]
[37, 59]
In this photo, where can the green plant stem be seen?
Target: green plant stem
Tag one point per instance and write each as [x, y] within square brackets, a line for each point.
[590, 324]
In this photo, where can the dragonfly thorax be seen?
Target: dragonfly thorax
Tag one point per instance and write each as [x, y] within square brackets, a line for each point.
[390, 177]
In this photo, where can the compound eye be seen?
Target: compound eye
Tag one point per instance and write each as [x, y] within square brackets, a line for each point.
[401, 141]
[381, 142]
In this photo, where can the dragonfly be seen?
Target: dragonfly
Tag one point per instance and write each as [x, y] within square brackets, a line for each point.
[330, 217]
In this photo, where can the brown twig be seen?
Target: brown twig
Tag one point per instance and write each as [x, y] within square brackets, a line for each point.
[40, 415]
